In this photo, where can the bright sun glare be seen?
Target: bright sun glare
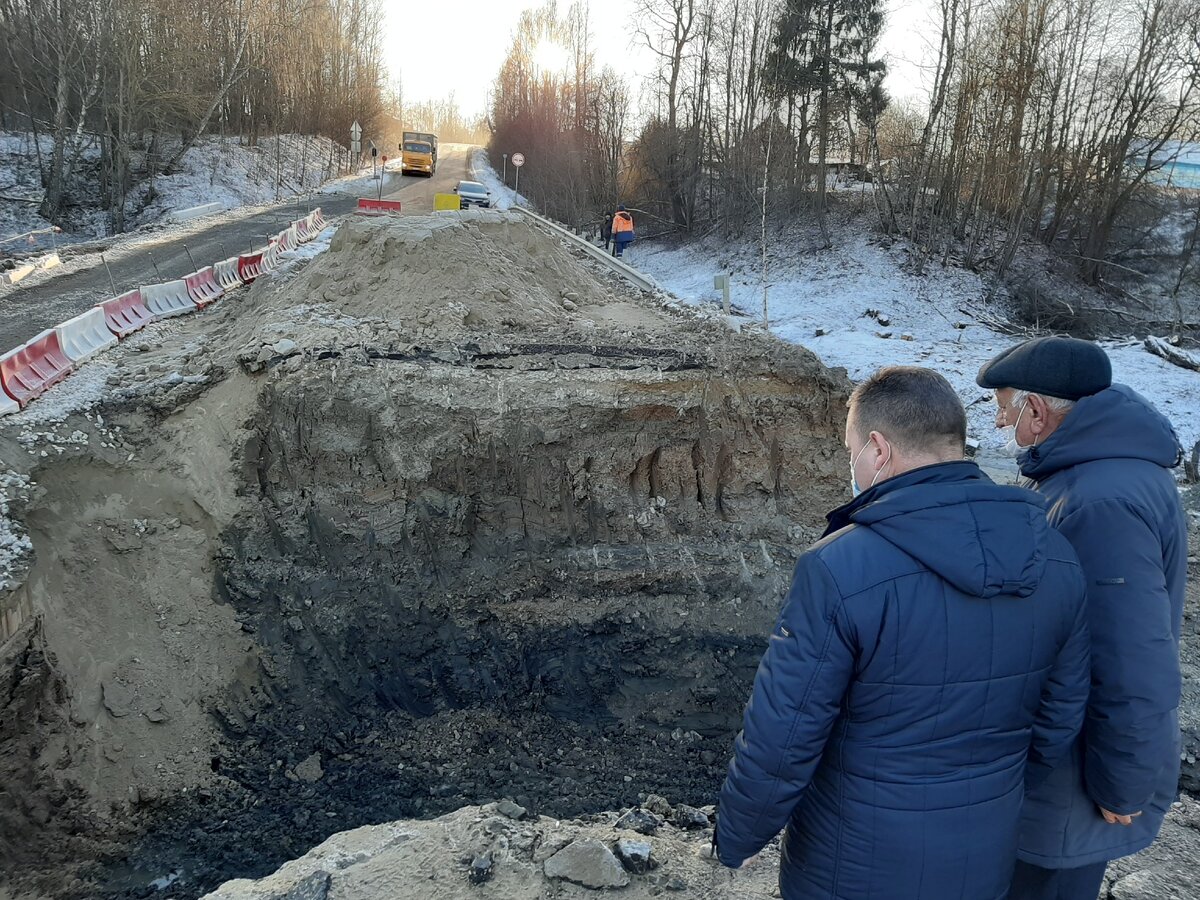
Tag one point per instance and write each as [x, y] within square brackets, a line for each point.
[550, 57]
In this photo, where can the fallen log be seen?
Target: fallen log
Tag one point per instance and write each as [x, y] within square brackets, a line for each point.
[1159, 347]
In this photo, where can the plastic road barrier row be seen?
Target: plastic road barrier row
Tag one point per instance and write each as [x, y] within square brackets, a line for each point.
[250, 266]
[166, 300]
[226, 272]
[126, 314]
[368, 207]
[202, 287]
[84, 336]
[33, 368]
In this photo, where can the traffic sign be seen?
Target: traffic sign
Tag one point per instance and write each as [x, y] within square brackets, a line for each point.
[518, 159]
[355, 130]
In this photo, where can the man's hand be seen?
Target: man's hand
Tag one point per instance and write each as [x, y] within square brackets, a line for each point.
[1113, 818]
[706, 852]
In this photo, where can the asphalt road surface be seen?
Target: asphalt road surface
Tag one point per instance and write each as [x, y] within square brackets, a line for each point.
[45, 302]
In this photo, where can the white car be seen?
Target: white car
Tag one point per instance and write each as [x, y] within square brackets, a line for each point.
[472, 193]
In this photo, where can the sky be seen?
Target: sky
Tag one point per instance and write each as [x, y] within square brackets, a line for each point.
[435, 55]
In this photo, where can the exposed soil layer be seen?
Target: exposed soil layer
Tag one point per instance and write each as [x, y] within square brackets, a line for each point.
[364, 544]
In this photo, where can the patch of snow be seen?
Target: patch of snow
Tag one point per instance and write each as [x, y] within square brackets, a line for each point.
[216, 169]
[315, 247]
[225, 171]
[938, 320]
[81, 390]
[15, 545]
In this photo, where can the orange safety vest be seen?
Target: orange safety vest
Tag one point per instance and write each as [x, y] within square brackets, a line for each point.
[622, 221]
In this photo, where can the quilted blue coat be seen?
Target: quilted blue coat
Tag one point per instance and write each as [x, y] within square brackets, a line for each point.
[930, 654]
[1105, 473]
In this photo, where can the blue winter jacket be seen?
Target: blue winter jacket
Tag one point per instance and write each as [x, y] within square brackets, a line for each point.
[928, 654]
[1105, 473]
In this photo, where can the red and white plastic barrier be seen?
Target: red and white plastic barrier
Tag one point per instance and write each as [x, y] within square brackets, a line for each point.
[227, 274]
[272, 255]
[250, 266]
[169, 299]
[202, 287]
[318, 219]
[33, 368]
[126, 314]
[303, 232]
[84, 336]
[368, 207]
[289, 238]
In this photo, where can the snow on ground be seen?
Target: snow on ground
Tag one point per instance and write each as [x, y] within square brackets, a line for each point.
[937, 320]
[15, 545]
[216, 170]
[222, 170]
[503, 197]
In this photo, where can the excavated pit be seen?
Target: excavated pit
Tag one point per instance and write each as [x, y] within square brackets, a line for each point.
[444, 516]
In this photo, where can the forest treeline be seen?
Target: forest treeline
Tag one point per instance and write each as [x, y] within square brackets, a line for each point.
[143, 80]
[1046, 120]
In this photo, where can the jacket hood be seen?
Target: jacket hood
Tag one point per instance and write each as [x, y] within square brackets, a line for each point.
[1116, 423]
[985, 539]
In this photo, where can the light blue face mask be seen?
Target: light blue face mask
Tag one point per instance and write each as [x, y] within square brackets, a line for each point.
[854, 488]
[854, 462]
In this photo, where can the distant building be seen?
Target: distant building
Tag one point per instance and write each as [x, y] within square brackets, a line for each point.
[1180, 166]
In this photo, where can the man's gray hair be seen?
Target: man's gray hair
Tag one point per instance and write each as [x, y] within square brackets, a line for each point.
[1059, 404]
[912, 406]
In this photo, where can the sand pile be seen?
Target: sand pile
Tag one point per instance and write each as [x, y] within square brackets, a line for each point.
[483, 270]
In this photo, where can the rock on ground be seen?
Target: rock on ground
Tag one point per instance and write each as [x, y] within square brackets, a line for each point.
[416, 860]
[587, 861]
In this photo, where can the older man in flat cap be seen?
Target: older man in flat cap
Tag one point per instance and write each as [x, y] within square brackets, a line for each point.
[1102, 456]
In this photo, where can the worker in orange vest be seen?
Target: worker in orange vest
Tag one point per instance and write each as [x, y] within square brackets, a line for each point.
[622, 228]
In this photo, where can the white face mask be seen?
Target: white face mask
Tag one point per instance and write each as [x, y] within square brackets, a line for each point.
[1012, 447]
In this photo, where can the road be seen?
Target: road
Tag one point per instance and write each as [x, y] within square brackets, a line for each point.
[31, 309]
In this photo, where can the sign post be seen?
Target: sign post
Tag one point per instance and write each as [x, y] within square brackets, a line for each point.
[504, 177]
[355, 140]
[721, 283]
[518, 161]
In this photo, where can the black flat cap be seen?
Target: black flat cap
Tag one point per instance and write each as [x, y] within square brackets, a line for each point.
[1054, 366]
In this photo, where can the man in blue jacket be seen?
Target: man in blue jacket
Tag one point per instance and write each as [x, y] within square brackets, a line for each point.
[1102, 456]
[930, 657]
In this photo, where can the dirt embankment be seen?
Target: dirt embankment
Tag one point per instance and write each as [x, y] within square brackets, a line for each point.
[444, 516]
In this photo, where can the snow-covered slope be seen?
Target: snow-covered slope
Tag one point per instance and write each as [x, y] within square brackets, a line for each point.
[216, 170]
[938, 319]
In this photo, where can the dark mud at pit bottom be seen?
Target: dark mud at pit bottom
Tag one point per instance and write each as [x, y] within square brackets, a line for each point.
[379, 766]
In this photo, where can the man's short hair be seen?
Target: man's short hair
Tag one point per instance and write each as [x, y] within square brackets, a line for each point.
[912, 406]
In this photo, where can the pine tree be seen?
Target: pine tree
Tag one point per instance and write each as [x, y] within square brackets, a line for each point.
[827, 48]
